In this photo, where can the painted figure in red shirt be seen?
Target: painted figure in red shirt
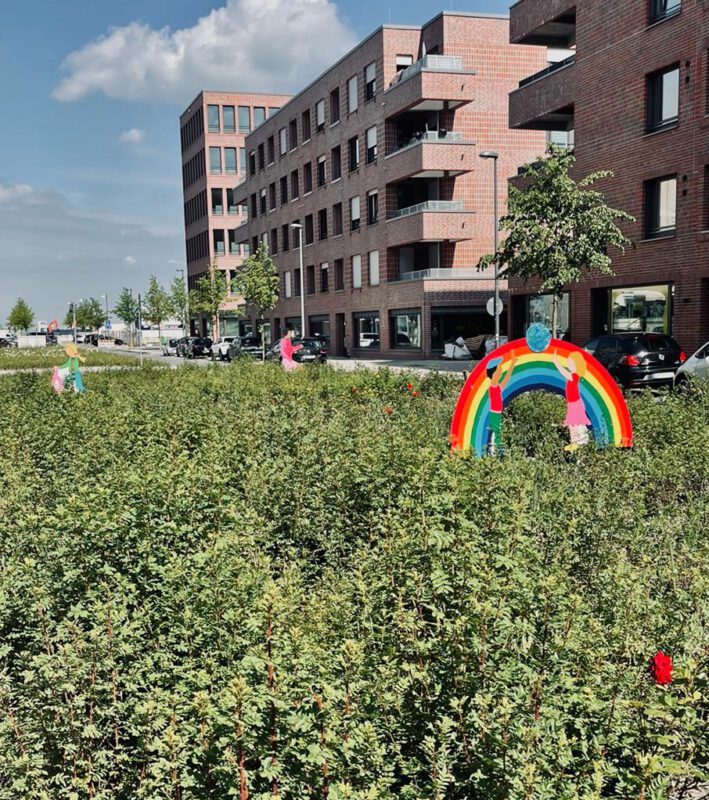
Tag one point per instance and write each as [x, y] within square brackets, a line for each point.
[497, 384]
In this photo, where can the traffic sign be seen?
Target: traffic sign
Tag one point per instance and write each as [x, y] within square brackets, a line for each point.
[491, 306]
[107, 325]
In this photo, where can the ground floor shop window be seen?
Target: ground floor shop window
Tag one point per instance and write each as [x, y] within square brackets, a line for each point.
[640, 308]
[540, 309]
[366, 330]
[405, 327]
[451, 323]
[228, 324]
[293, 324]
[320, 326]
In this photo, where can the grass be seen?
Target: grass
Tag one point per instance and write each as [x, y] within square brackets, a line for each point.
[48, 357]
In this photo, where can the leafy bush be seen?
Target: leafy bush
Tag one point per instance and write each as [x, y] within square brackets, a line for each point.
[48, 357]
[240, 583]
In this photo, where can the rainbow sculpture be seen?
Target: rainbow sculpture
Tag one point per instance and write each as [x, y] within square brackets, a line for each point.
[534, 362]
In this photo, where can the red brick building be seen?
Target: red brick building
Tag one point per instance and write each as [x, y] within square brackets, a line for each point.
[636, 96]
[378, 161]
[212, 134]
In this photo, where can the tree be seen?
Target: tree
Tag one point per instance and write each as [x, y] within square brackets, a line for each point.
[557, 227]
[158, 305]
[179, 302]
[89, 314]
[257, 282]
[211, 291]
[21, 316]
[126, 309]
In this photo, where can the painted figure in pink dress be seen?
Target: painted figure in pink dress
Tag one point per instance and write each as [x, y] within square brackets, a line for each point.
[287, 350]
[576, 418]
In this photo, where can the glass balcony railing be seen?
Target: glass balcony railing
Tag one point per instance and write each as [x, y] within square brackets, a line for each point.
[457, 273]
[441, 136]
[557, 65]
[429, 205]
[436, 63]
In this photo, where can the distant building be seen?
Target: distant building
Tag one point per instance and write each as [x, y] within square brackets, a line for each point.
[212, 133]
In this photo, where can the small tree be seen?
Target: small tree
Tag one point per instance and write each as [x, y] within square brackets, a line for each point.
[158, 305]
[126, 309]
[179, 302]
[89, 314]
[211, 291]
[557, 228]
[21, 316]
[257, 282]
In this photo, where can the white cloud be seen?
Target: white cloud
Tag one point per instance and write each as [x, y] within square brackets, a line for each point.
[133, 136]
[129, 260]
[245, 45]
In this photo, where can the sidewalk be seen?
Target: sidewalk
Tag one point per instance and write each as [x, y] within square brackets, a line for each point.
[419, 365]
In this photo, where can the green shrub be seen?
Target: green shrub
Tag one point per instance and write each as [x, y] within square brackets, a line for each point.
[234, 582]
[49, 357]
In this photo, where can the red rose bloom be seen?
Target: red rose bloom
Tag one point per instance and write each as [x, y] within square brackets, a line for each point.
[409, 386]
[661, 668]
[415, 394]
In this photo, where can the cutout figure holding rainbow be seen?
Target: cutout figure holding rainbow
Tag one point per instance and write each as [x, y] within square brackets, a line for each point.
[68, 375]
[537, 362]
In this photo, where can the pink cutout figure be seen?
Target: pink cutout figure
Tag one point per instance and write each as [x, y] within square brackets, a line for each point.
[576, 418]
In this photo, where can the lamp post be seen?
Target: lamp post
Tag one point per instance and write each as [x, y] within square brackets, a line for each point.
[494, 156]
[186, 309]
[105, 297]
[299, 228]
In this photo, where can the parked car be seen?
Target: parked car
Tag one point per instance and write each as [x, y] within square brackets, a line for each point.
[311, 351]
[89, 338]
[118, 342]
[198, 347]
[6, 342]
[696, 366]
[250, 345]
[221, 346]
[637, 360]
[169, 347]
[181, 346]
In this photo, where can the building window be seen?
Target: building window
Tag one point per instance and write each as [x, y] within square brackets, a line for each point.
[287, 288]
[353, 149]
[230, 160]
[372, 207]
[252, 162]
[296, 281]
[271, 150]
[322, 224]
[309, 233]
[660, 207]
[320, 115]
[284, 190]
[244, 119]
[261, 157]
[294, 185]
[374, 268]
[213, 119]
[321, 170]
[231, 206]
[339, 274]
[254, 244]
[282, 142]
[403, 61]
[352, 100]
[254, 206]
[370, 81]
[259, 116]
[334, 106]
[354, 213]
[274, 240]
[539, 308]
[242, 160]
[262, 201]
[324, 277]
[661, 9]
[356, 272]
[366, 330]
[272, 197]
[218, 242]
[285, 237]
[293, 133]
[320, 326]
[663, 98]
[306, 125]
[229, 119]
[310, 279]
[215, 160]
[217, 201]
[641, 308]
[371, 145]
[307, 177]
[272, 110]
[337, 219]
[336, 163]
[405, 328]
[233, 246]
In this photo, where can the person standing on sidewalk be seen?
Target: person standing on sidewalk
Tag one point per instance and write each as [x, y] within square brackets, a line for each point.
[287, 350]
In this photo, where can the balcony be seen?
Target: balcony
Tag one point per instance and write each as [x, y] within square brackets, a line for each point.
[434, 63]
[433, 83]
[429, 205]
[432, 221]
[435, 274]
[543, 22]
[545, 100]
[241, 232]
[434, 154]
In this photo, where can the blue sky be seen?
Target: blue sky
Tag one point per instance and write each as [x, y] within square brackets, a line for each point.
[90, 191]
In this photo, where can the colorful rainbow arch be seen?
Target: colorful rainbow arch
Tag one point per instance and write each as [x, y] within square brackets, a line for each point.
[604, 402]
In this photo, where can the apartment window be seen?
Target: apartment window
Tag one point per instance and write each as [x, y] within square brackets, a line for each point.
[229, 119]
[320, 115]
[334, 106]
[242, 160]
[285, 237]
[213, 118]
[271, 150]
[296, 282]
[259, 116]
[264, 239]
[261, 156]
[284, 190]
[661, 9]
[293, 133]
[321, 170]
[230, 160]
[287, 288]
[254, 206]
[405, 327]
[262, 201]
[663, 98]
[233, 246]
[309, 233]
[322, 224]
[231, 206]
[353, 148]
[252, 162]
[371, 145]
[660, 207]
[370, 81]
[354, 213]
[336, 163]
[274, 240]
[324, 277]
[217, 201]
[366, 330]
[282, 142]
[337, 219]
[254, 244]
[306, 125]
[374, 268]
[339, 274]
[372, 207]
[352, 94]
[272, 197]
[218, 242]
[244, 119]
[403, 61]
[310, 279]
[294, 185]
[215, 160]
[356, 272]
[307, 178]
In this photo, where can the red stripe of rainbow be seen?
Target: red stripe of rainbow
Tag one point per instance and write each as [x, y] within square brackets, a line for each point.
[603, 400]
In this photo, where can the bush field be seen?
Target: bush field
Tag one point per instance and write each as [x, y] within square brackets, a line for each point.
[49, 357]
[232, 583]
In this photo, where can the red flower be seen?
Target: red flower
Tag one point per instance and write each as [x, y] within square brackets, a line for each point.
[409, 386]
[661, 668]
[415, 394]
[388, 410]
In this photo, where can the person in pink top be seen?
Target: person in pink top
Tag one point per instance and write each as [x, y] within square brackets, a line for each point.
[287, 350]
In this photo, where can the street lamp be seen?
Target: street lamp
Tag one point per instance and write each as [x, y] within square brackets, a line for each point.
[494, 156]
[186, 310]
[299, 228]
[107, 320]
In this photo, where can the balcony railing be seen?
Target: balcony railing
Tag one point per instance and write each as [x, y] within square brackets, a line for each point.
[435, 62]
[429, 205]
[557, 65]
[441, 136]
[459, 273]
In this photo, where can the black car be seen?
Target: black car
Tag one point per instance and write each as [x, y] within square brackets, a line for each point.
[637, 360]
[198, 347]
[248, 345]
[311, 351]
[5, 342]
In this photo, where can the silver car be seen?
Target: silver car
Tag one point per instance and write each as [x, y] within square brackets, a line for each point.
[696, 366]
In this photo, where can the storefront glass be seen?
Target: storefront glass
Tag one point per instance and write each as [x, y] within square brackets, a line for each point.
[366, 330]
[406, 329]
[641, 308]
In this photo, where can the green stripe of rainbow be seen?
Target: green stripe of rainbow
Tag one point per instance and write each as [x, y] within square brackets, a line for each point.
[603, 400]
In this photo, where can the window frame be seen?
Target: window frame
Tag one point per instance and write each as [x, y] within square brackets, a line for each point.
[372, 149]
[352, 107]
[657, 14]
[358, 219]
[370, 84]
[654, 96]
[652, 200]
[372, 194]
[320, 112]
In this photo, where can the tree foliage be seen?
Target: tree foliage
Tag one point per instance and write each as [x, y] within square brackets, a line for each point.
[209, 294]
[126, 309]
[257, 282]
[90, 314]
[21, 316]
[158, 304]
[179, 300]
